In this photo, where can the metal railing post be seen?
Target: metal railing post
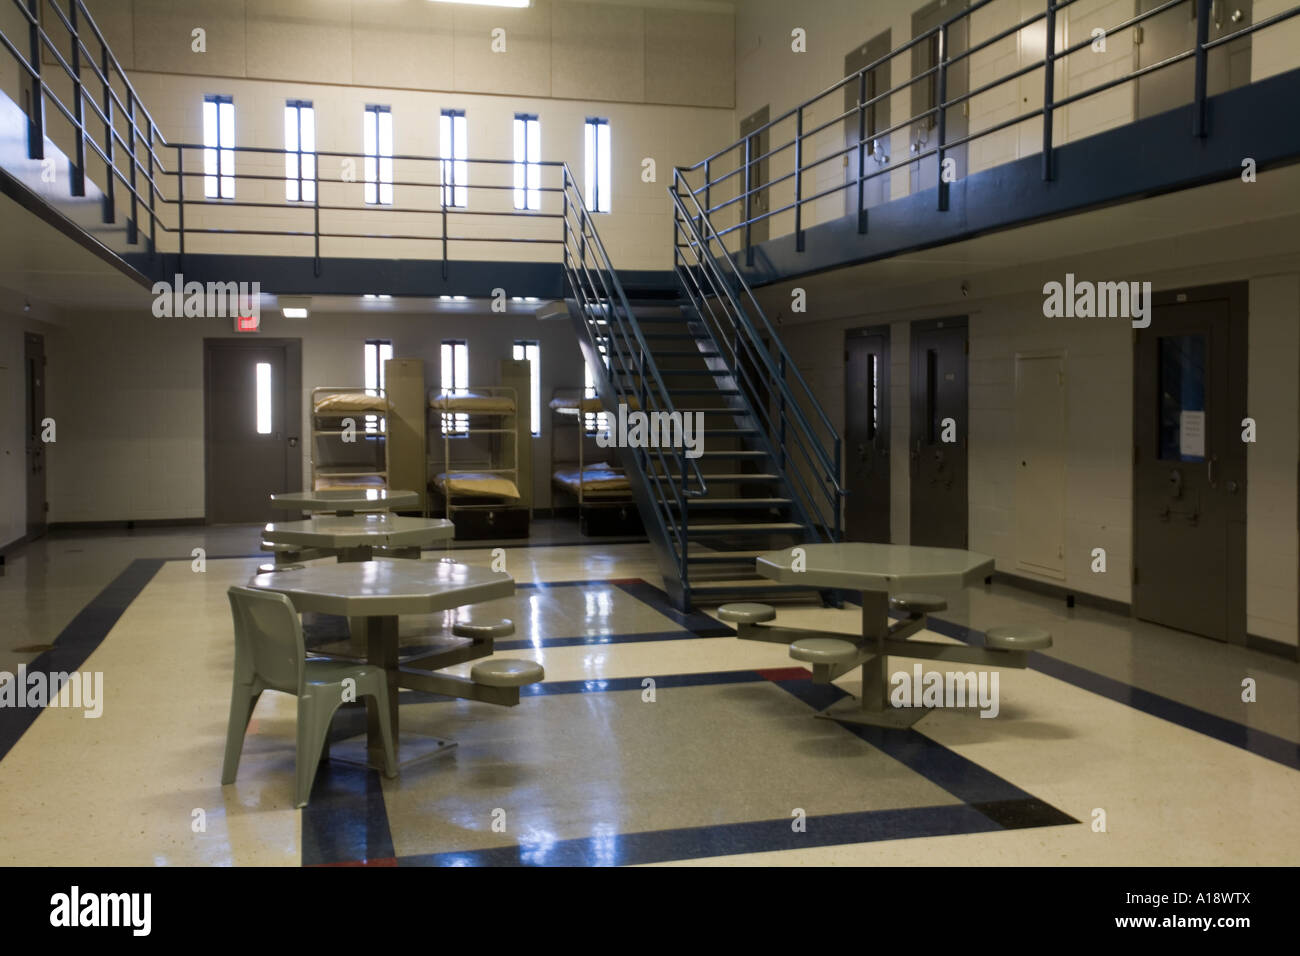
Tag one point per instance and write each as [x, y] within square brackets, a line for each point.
[110, 187]
[708, 188]
[153, 205]
[1049, 90]
[36, 114]
[798, 180]
[315, 193]
[132, 229]
[862, 152]
[78, 108]
[1199, 124]
[780, 364]
[180, 204]
[941, 97]
[749, 171]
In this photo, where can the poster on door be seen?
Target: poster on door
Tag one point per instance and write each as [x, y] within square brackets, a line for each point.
[1191, 434]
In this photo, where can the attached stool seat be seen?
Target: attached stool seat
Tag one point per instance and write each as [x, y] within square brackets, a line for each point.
[824, 650]
[746, 613]
[915, 604]
[506, 672]
[1017, 638]
[484, 630]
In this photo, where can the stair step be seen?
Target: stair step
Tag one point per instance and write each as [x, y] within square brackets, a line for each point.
[733, 453]
[705, 391]
[723, 557]
[728, 477]
[691, 353]
[738, 502]
[744, 527]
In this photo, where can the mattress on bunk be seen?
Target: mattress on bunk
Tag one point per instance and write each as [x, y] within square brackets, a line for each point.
[585, 405]
[347, 483]
[350, 402]
[470, 484]
[600, 479]
[473, 402]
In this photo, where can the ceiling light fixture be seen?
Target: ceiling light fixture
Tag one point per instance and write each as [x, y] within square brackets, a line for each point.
[519, 4]
[295, 307]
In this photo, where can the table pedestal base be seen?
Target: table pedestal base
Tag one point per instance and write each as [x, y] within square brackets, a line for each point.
[851, 711]
[411, 749]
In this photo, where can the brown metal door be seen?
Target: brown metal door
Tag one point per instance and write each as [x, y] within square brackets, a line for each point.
[924, 133]
[34, 364]
[251, 406]
[868, 125]
[757, 175]
[1189, 472]
[939, 448]
[866, 434]
[1173, 32]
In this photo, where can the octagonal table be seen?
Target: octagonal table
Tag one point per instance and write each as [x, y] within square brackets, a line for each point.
[354, 537]
[375, 593]
[345, 502]
[877, 571]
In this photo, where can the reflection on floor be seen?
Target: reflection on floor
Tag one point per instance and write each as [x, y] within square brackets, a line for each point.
[656, 738]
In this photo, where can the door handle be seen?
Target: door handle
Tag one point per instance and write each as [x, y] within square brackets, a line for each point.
[293, 441]
[1209, 471]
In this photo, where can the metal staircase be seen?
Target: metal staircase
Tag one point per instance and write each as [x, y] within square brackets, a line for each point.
[765, 477]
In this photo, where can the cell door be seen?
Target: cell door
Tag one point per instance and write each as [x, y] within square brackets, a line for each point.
[757, 176]
[867, 125]
[252, 410]
[34, 363]
[939, 447]
[924, 133]
[866, 434]
[1173, 32]
[1189, 468]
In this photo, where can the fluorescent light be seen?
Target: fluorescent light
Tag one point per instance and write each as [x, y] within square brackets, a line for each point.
[491, 3]
[295, 307]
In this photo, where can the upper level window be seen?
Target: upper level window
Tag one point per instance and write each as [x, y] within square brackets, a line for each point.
[299, 151]
[530, 351]
[378, 143]
[598, 164]
[453, 132]
[218, 151]
[528, 153]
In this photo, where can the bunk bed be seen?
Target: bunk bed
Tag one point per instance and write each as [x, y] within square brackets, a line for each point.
[600, 488]
[477, 476]
[338, 464]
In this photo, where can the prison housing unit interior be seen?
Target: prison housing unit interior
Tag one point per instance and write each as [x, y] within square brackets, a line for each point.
[584, 432]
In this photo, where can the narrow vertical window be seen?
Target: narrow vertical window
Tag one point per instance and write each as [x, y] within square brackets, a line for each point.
[527, 350]
[218, 147]
[299, 151]
[378, 145]
[593, 422]
[528, 156]
[377, 352]
[598, 164]
[454, 136]
[263, 398]
[455, 380]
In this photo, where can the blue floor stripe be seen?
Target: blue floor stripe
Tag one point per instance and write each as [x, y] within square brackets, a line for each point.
[1231, 732]
[729, 839]
[78, 641]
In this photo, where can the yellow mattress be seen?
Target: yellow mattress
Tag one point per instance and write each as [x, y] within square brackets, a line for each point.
[466, 484]
[594, 479]
[351, 402]
[329, 483]
[585, 405]
[473, 402]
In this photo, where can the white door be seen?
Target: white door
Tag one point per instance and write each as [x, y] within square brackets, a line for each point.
[1040, 445]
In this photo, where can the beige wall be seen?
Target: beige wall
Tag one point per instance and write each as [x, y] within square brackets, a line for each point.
[597, 50]
[769, 73]
[127, 392]
[1006, 319]
[636, 233]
